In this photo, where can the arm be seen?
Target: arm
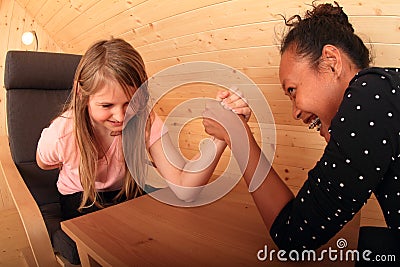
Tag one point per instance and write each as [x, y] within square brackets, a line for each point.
[174, 168]
[196, 172]
[273, 194]
[47, 151]
[45, 166]
[342, 180]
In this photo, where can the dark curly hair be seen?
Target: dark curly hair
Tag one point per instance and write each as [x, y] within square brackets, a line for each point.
[324, 24]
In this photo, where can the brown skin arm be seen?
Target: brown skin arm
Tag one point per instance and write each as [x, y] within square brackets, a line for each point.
[273, 194]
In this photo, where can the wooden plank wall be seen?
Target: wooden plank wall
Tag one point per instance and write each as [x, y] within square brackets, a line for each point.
[14, 20]
[243, 34]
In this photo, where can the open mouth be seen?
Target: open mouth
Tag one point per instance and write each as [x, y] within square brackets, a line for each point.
[315, 123]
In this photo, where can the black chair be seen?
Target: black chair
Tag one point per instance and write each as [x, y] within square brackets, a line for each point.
[37, 86]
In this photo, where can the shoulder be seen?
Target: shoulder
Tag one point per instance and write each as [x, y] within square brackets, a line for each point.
[60, 127]
[372, 87]
[57, 141]
[368, 110]
[373, 77]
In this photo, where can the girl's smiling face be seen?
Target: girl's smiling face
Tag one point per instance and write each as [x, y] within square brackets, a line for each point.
[107, 107]
[314, 93]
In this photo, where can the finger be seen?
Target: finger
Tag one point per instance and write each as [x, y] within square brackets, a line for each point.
[221, 95]
[234, 97]
[242, 111]
[245, 111]
[225, 94]
[238, 103]
[241, 103]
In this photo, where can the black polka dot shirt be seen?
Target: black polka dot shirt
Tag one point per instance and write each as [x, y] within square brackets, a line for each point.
[362, 156]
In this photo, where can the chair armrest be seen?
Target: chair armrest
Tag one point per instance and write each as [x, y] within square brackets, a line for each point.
[28, 210]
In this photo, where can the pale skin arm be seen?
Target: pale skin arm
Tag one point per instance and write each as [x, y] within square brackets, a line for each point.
[175, 172]
[273, 194]
[44, 166]
[186, 174]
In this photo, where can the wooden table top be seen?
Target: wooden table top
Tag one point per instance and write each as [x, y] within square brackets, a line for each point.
[146, 232]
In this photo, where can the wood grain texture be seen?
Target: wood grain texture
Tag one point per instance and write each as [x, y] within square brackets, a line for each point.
[244, 34]
[15, 20]
[177, 236]
[29, 213]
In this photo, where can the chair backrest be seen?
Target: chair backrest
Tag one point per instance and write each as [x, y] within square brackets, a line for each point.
[37, 86]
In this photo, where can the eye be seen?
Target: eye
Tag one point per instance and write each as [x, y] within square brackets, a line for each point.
[106, 105]
[291, 91]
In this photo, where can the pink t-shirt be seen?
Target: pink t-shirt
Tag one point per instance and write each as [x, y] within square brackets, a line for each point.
[57, 144]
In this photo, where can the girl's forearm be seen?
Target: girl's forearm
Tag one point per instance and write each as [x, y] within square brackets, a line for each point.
[199, 170]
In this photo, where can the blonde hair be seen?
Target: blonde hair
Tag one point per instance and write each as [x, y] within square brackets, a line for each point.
[106, 60]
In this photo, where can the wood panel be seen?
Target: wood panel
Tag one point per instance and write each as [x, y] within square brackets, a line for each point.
[12, 239]
[49, 10]
[133, 18]
[147, 22]
[243, 34]
[89, 18]
[68, 13]
[253, 35]
[264, 57]
[14, 21]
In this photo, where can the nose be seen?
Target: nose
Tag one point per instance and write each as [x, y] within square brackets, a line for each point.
[119, 114]
[296, 112]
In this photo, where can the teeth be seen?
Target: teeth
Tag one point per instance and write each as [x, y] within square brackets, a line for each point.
[315, 122]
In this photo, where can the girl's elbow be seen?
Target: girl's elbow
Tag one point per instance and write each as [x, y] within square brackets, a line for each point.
[184, 193]
[44, 166]
[39, 162]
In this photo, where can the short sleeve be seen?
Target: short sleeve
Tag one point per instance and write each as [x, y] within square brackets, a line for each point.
[49, 147]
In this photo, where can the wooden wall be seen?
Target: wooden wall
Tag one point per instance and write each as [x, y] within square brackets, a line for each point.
[243, 34]
[15, 20]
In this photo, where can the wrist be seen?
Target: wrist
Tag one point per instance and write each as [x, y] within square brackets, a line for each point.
[218, 141]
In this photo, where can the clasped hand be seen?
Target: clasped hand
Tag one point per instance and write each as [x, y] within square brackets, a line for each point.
[220, 119]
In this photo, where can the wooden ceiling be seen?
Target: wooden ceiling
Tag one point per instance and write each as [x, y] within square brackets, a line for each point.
[166, 32]
[75, 24]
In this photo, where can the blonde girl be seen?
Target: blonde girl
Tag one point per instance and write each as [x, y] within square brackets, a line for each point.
[85, 141]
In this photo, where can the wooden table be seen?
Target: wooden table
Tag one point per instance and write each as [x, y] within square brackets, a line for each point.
[146, 232]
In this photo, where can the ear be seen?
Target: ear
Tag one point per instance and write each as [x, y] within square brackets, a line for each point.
[332, 58]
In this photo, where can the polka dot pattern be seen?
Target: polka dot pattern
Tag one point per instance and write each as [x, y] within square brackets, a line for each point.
[362, 157]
